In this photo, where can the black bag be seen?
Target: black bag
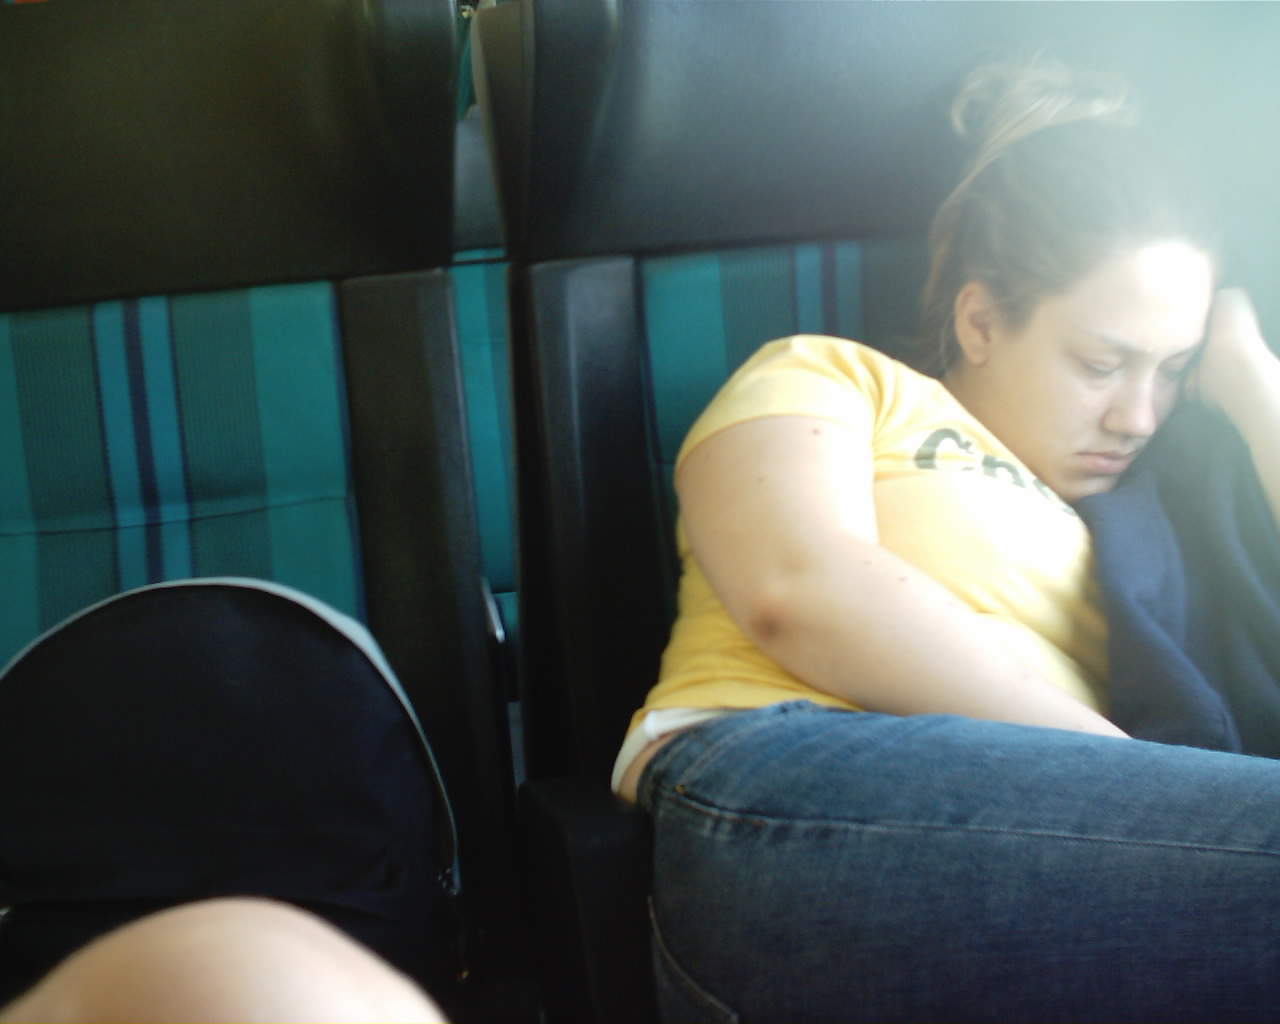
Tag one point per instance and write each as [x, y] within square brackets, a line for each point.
[208, 738]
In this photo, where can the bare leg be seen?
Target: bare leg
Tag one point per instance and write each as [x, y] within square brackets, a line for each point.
[224, 960]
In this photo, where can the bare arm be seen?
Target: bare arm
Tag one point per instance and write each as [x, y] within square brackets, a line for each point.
[786, 536]
[1240, 375]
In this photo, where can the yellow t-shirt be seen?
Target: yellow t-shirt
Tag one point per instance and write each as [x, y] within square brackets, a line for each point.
[949, 498]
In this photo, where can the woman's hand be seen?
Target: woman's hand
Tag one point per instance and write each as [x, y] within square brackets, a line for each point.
[1235, 359]
[1239, 375]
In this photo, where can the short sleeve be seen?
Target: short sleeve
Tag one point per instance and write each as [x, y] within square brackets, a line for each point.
[804, 375]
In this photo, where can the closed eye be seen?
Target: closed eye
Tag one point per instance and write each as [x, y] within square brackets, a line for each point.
[1099, 370]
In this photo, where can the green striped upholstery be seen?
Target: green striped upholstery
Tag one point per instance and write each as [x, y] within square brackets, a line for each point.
[480, 302]
[160, 438]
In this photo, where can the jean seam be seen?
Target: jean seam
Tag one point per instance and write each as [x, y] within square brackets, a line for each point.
[691, 989]
[680, 797]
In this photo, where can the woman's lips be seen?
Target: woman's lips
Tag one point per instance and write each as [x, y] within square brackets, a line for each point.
[1107, 463]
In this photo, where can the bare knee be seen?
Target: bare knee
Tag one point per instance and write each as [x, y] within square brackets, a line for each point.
[228, 959]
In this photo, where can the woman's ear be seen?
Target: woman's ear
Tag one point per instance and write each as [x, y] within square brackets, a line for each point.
[976, 320]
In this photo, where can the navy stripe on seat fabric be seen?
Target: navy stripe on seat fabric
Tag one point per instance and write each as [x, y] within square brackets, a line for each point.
[166, 437]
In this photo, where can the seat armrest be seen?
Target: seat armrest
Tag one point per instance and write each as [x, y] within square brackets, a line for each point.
[590, 862]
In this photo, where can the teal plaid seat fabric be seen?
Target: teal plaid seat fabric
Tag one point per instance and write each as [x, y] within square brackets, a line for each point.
[168, 437]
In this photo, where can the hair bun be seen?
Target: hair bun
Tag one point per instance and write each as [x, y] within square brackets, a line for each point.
[1001, 103]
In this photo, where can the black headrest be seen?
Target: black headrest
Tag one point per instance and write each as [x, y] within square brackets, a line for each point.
[634, 125]
[153, 146]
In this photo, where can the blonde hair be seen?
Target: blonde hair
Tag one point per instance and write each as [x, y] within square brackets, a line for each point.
[1002, 103]
[1059, 180]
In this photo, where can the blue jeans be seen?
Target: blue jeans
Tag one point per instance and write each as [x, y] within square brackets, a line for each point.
[814, 864]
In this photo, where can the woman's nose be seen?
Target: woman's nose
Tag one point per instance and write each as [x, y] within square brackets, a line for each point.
[1133, 410]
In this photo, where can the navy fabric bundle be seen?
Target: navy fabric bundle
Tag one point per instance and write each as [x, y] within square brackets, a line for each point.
[1188, 561]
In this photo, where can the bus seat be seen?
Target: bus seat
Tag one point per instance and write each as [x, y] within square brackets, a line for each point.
[229, 344]
[665, 211]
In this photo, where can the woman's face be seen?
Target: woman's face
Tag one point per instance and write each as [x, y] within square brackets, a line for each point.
[1080, 388]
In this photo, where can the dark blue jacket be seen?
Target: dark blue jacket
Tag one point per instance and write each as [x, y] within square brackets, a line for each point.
[1188, 560]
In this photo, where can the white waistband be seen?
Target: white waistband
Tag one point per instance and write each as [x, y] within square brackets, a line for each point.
[656, 724]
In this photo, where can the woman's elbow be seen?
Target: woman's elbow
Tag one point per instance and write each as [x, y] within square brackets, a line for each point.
[768, 613]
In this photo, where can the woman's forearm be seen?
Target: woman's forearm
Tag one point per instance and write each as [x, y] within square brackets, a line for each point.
[867, 626]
